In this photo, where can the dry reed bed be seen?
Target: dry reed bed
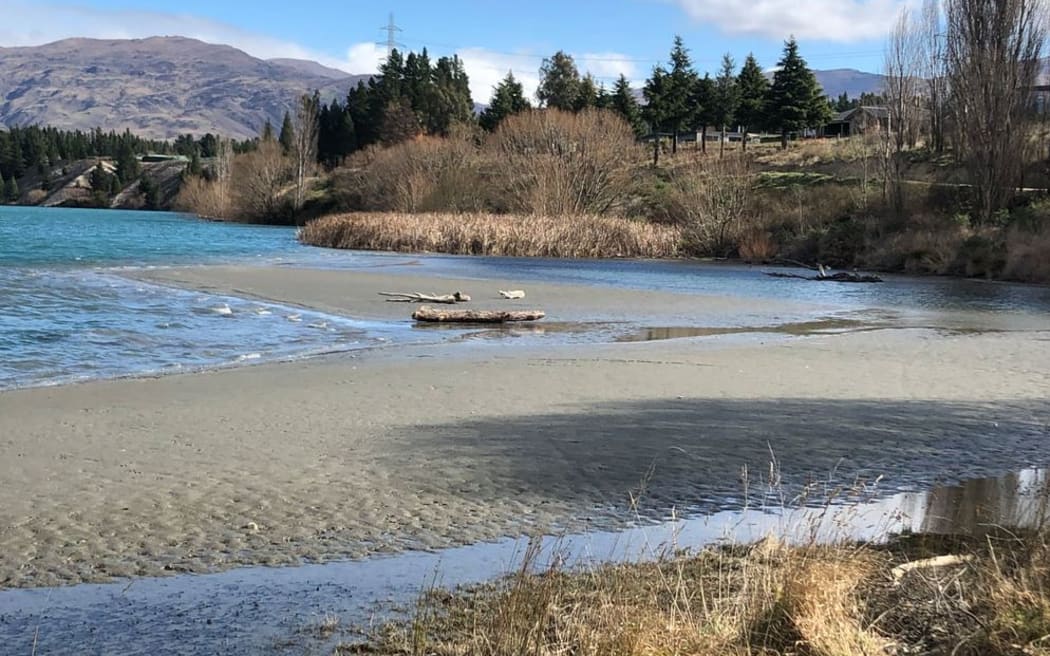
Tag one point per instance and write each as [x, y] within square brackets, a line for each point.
[769, 598]
[494, 234]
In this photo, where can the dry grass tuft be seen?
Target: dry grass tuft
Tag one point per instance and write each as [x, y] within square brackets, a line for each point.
[490, 234]
[766, 599]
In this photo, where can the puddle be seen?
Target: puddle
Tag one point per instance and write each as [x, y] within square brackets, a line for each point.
[257, 609]
[797, 329]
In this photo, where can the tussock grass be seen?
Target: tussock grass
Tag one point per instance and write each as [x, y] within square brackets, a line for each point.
[491, 234]
[769, 598]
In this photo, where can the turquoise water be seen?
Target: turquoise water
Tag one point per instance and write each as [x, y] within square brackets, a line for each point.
[66, 314]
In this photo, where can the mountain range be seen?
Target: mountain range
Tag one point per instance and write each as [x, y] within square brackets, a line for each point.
[162, 87]
[158, 87]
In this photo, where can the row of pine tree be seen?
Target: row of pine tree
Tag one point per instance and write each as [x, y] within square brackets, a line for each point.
[410, 97]
[413, 95]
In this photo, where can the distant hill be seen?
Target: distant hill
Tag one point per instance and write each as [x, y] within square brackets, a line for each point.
[850, 81]
[158, 87]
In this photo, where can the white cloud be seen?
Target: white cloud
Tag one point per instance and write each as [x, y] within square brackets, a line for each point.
[364, 58]
[486, 68]
[607, 65]
[842, 21]
[30, 24]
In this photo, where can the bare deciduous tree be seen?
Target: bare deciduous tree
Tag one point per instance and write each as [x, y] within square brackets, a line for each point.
[304, 145]
[934, 73]
[223, 173]
[713, 200]
[561, 163]
[993, 49]
[902, 69]
[260, 178]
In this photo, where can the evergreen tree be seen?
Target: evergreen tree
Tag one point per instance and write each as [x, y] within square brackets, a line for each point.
[796, 101]
[150, 192]
[359, 102]
[588, 93]
[604, 98]
[679, 111]
[399, 123]
[11, 192]
[448, 97]
[560, 84]
[725, 98]
[3, 187]
[195, 168]
[208, 146]
[267, 131]
[509, 98]
[655, 92]
[128, 167]
[335, 137]
[753, 89]
[625, 104]
[703, 103]
[287, 138]
[843, 103]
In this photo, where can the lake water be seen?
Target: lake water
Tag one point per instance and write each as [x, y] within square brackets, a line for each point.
[67, 313]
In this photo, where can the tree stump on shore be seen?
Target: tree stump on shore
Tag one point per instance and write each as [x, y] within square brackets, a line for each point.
[435, 315]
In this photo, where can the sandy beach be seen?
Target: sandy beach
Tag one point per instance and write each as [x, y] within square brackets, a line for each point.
[433, 445]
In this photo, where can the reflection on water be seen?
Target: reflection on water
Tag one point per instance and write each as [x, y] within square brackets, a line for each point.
[246, 610]
[1017, 500]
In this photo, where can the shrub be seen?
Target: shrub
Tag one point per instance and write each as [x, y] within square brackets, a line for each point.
[1028, 255]
[982, 255]
[556, 163]
[200, 197]
[712, 200]
[756, 245]
[842, 242]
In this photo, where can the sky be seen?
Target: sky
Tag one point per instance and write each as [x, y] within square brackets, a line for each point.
[606, 37]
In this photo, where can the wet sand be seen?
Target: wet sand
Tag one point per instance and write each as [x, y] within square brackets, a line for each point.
[436, 445]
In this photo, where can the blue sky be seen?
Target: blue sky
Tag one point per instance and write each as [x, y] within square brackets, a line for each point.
[607, 37]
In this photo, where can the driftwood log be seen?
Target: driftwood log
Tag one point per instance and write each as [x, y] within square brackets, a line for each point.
[429, 314]
[841, 276]
[449, 299]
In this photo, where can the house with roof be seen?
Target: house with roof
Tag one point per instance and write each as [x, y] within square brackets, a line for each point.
[859, 120]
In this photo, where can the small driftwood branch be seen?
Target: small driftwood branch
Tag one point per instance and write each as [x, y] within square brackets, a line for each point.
[949, 560]
[429, 314]
[449, 299]
[512, 294]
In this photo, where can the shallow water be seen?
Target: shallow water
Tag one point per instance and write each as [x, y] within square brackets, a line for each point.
[66, 313]
[257, 609]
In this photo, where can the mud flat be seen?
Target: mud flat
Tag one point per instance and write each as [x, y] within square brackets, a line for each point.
[430, 446]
